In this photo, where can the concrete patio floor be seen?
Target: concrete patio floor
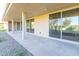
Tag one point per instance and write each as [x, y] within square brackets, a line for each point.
[41, 46]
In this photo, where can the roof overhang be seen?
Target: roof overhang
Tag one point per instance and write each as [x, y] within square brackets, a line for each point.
[14, 10]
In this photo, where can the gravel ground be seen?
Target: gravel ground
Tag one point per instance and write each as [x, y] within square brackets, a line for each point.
[9, 47]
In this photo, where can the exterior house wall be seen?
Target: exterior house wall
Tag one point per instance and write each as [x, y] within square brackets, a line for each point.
[42, 25]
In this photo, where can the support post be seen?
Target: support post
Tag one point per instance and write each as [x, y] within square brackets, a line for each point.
[20, 25]
[23, 26]
[7, 26]
[12, 26]
[61, 26]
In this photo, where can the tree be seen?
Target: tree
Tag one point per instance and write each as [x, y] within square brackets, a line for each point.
[55, 24]
[66, 22]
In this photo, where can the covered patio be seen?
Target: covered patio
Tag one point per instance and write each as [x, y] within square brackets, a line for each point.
[33, 17]
[29, 24]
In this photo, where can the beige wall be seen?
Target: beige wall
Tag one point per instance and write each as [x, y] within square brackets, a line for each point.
[42, 25]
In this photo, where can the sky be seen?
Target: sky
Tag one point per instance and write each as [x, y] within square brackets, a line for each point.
[2, 9]
[74, 20]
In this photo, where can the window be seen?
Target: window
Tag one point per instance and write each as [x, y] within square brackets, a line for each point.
[68, 25]
[10, 25]
[30, 25]
[18, 26]
[55, 25]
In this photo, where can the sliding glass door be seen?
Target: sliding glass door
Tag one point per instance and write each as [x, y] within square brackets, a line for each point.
[70, 26]
[65, 25]
[10, 25]
[55, 25]
[18, 26]
[30, 25]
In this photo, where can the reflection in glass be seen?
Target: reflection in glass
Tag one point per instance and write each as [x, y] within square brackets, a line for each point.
[54, 25]
[30, 25]
[18, 26]
[10, 25]
[70, 28]
[68, 25]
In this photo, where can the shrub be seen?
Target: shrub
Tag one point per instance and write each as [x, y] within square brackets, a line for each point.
[19, 54]
[2, 39]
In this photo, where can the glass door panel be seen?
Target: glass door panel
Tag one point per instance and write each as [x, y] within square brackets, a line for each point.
[70, 26]
[10, 25]
[55, 25]
[18, 26]
[30, 25]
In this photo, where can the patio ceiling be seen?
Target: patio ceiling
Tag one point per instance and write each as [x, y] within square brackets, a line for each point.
[34, 9]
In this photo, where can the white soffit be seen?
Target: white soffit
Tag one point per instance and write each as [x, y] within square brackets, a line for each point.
[34, 9]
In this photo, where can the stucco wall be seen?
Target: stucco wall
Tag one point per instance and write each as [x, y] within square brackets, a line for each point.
[42, 25]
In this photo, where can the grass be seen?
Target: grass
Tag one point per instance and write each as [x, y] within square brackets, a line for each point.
[2, 39]
[2, 30]
[19, 54]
